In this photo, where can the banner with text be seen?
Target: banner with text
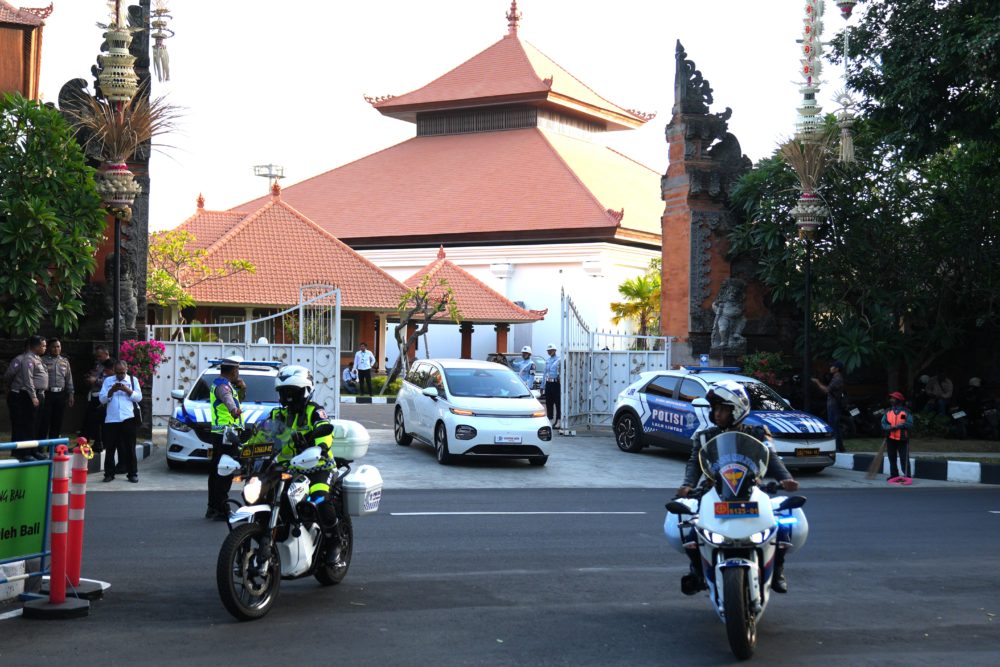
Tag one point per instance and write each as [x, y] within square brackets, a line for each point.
[23, 499]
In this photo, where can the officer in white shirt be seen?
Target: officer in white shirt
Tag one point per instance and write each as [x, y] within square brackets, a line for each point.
[364, 361]
[120, 393]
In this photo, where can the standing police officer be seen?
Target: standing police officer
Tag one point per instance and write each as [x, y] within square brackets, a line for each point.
[28, 386]
[526, 367]
[553, 368]
[227, 389]
[59, 395]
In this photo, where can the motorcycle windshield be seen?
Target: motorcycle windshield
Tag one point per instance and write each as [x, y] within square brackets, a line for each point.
[266, 439]
[735, 463]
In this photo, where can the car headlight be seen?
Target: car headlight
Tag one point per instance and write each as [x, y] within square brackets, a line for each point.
[462, 412]
[251, 490]
[178, 425]
[545, 433]
[465, 432]
[538, 413]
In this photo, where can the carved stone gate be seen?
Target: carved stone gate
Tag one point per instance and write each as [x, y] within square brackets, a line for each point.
[597, 366]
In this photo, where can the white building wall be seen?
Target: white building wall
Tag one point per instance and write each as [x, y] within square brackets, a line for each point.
[589, 272]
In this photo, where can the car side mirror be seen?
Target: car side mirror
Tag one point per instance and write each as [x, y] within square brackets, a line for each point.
[431, 392]
[675, 507]
[177, 394]
[701, 403]
[792, 503]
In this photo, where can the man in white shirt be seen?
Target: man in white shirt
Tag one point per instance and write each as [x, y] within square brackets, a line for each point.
[120, 393]
[364, 361]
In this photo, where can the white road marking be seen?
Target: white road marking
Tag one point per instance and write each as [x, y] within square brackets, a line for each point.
[10, 614]
[994, 511]
[496, 513]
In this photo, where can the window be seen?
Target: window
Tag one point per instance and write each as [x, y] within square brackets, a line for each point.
[260, 388]
[346, 334]
[418, 375]
[263, 329]
[230, 334]
[763, 397]
[691, 389]
[662, 386]
[485, 383]
[434, 379]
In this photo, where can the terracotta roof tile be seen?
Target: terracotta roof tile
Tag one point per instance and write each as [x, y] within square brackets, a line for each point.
[207, 227]
[504, 184]
[477, 301]
[510, 68]
[289, 250]
[10, 14]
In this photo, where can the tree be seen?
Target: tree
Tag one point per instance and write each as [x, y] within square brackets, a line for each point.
[641, 300]
[51, 220]
[174, 268]
[421, 305]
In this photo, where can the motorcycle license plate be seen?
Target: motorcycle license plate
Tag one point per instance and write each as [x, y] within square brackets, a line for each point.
[507, 440]
[732, 509]
[958, 415]
[253, 451]
[807, 452]
[855, 412]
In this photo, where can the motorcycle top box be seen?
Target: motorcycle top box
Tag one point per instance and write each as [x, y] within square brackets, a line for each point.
[350, 439]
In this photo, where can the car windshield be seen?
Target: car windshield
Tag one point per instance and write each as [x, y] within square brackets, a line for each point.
[260, 388]
[485, 383]
[764, 398]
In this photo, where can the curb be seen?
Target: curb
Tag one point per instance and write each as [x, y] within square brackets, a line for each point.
[376, 400]
[925, 468]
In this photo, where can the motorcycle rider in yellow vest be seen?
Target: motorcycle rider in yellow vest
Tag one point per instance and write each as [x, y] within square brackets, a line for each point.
[225, 395]
[309, 427]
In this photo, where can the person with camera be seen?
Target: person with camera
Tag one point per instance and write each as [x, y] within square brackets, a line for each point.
[120, 394]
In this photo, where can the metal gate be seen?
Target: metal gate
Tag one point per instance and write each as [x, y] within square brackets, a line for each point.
[597, 366]
[313, 325]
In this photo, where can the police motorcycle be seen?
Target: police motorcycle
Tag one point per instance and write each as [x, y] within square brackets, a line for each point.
[276, 533]
[737, 529]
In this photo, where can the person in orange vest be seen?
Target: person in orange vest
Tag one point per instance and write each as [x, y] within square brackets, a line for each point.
[896, 424]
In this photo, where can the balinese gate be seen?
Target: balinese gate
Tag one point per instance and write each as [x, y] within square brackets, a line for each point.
[314, 325]
[597, 366]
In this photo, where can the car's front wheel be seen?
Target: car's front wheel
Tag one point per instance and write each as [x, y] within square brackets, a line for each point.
[441, 445]
[628, 432]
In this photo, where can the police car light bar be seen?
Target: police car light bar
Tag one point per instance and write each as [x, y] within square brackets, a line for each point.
[212, 363]
[712, 369]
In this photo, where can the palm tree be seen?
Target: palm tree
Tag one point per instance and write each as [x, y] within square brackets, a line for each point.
[641, 302]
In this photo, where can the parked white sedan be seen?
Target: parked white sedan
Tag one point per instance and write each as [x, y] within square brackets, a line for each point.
[463, 407]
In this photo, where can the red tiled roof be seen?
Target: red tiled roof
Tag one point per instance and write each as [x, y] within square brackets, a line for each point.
[12, 15]
[476, 301]
[207, 227]
[529, 184]
[510, 70]
[289, 250]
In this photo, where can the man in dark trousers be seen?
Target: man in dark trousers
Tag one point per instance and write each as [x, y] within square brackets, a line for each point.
[28, 386]
[226, 392]
[59, 395]
[364, 361]
[834, 400]
[553, 375]
[93, 420]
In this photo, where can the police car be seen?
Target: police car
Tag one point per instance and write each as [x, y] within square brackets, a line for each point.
[666, 408]
[189, 428]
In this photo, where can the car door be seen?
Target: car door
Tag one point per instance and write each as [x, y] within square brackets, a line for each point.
[412, 399]
[664, 423]
[429, 407]
[695, 419]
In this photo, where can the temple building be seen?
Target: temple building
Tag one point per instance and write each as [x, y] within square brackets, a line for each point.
[21, 48]
[509, 172]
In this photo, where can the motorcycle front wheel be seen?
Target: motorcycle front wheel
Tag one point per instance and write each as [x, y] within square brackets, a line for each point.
[248, 579]
[741, 626]
[329, 575]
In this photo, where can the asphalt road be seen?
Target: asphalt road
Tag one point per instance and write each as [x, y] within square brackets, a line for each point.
[889, 577]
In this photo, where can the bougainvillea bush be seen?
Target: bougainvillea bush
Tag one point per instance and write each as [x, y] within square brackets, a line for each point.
[768, 367]
[143, 358]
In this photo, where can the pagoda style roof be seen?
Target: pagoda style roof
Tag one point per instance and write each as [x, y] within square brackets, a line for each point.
[477, 302]
[25, 16]
[511, 71]
[289, 250]
[207, 227]
[527, 185]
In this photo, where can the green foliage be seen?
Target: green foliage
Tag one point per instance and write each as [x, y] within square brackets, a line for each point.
[641, 301]
[51, 220]
[378, 382]
[200, 334]
[174, 268]
[768, 367]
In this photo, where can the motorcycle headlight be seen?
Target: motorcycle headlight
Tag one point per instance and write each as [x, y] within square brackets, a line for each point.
[251, 490]
[714, 538]
[761, 537]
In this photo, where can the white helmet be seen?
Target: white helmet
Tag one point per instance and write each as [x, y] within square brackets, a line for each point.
[294, 383]
[975, 382]
[552, 346]
[526, 348]
[729, 392]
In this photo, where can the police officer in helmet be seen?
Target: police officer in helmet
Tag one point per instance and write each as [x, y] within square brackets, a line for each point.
[729, 406]
[310, 427]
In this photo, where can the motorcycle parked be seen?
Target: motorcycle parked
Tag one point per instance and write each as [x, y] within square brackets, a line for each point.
[276, 534]
[737, 529]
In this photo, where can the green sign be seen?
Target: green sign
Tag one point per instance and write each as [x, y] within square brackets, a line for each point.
[23, 493]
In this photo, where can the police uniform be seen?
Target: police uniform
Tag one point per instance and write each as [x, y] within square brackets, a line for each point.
[30, 381]
[314, 425]
[224, 403]
[58, 394]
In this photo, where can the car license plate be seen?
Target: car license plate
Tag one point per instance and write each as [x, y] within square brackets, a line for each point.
[507, 440]
[731, 509]
[253, 451]
[807, 452]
